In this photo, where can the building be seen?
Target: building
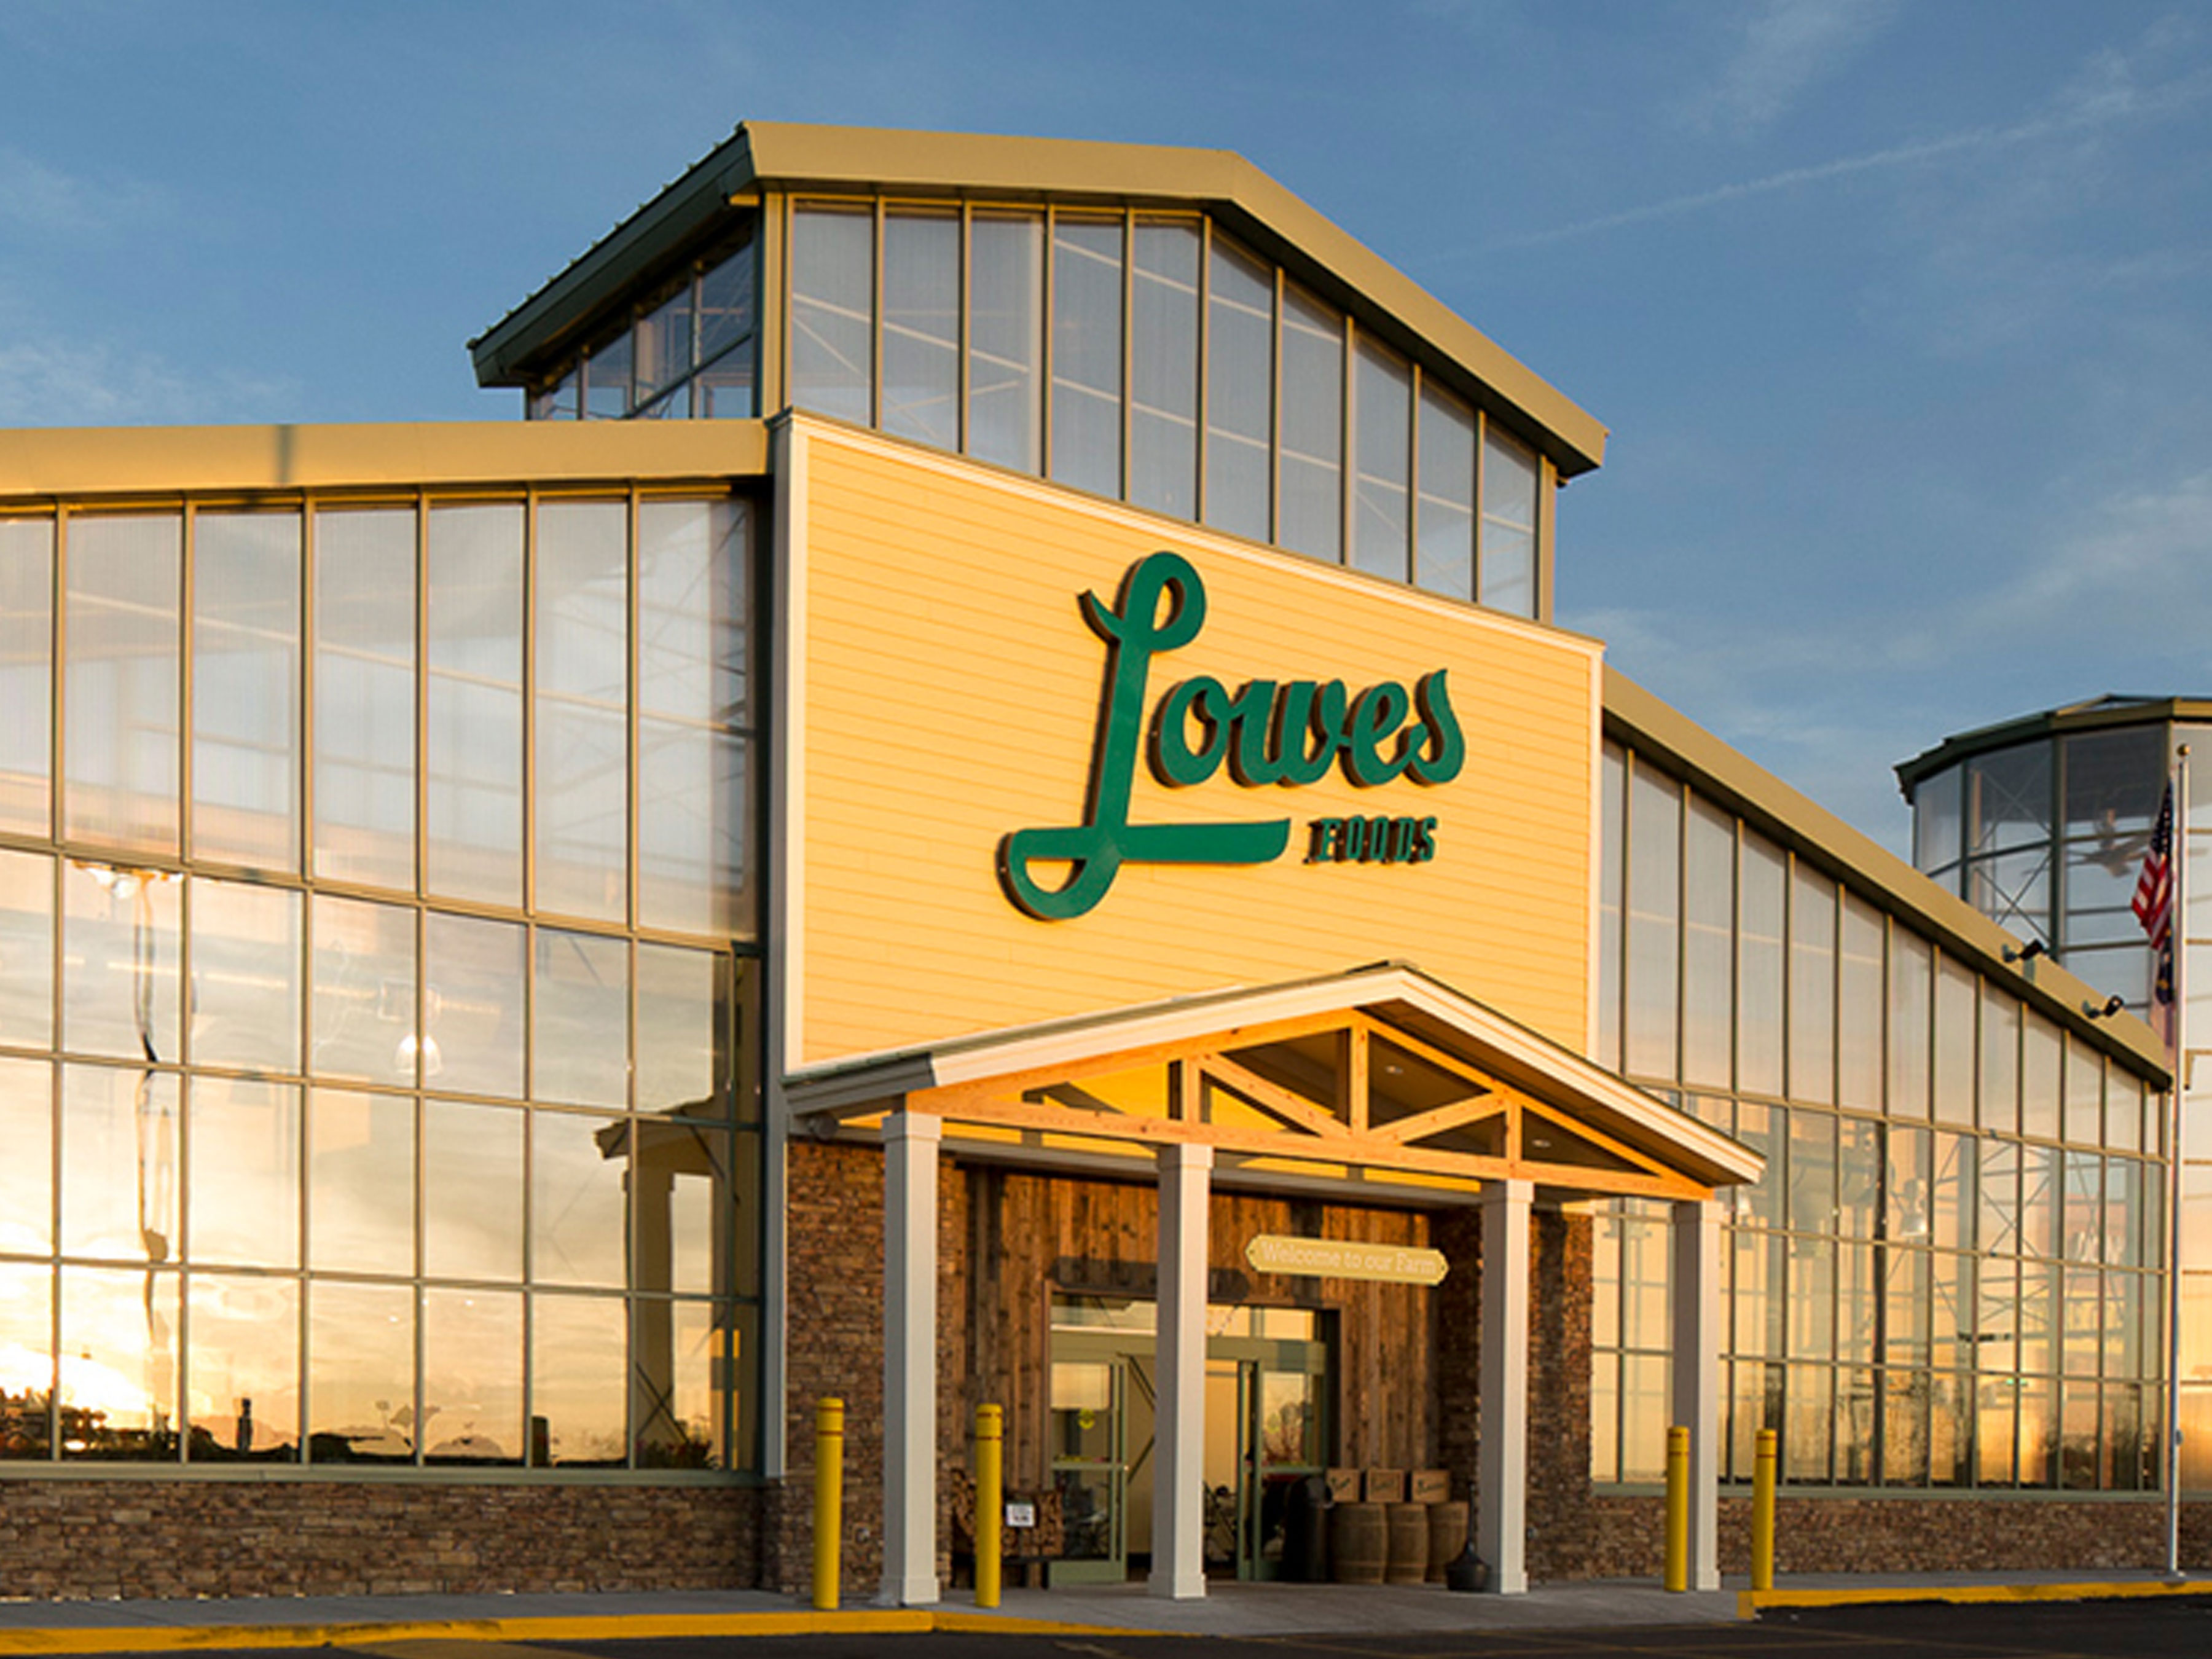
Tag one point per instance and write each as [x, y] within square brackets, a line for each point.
[983, 804]
[2042, 824]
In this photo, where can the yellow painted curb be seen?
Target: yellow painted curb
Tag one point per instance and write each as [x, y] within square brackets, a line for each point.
[174, 1638]
[1749, 1603]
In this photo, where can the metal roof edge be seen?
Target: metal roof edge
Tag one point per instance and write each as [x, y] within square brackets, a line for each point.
[2093, 713]
[1878, 873]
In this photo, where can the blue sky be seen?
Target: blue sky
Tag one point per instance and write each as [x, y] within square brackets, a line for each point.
[1899, 310]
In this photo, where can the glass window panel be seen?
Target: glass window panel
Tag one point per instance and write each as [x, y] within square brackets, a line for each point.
[1937, 818]
[727, 288]
[1905, 1308]
[1643, 1418]
[246, 689]
[1605, 1416]
[363, 992]
[2081, 1225]
[245, 976]
[580, 1051]
[27, 949]
[360, 1182]
[922, 327]
[1951, 1309]
[1612, 844]
[2014, 891]
[2124, 1109]
[120, 934]
[1995, 1431]
[1858, 1178]
[582, 662]
[121, 694]
[27, 1174]
[607, 379]
[1754, 1403]
[1759, 980]
[27, 1361]
[1996, 1345]
[2101, 889]
[1163, 367]
[1951, 1213]
[361, 1370]
[2125, 1327]
[1757, 1128]
[1859, 1006]
[2085, 1095]
[1757, 1297]
[1444, 551]
[1240, 390]
[555, 401]
[579, 1177]
[471, 1377]
[119, 1369]
[471, 1190]
[1911, 983]
[2085, 1322]
[1907, 1219]
[2008, 798]
[1383, 393]
[1811, 1172]
[1858, 1301]
[1643, 1282]
[686, 1199]
[1812, 1299]
[1708, 943]
[695, 815]
[1957, 996]
[2039, 1078]
[1858, 1403]
[1086, 353]
[473, 988]
[684, 1030]
[2038, 1200]
[1510, 478]
[579, 1363]
[1655, 907]
[664, 339]
[2000, 1083]
[2113, 782]
[833, 287]
[1005, 338]
[723, 391]
[2038, 1433]
[1812, 986]
[1905, 1428]
[243, 1142]
[2124, 1183]
[1312, 443]
[475, 661]
[365, 696]
[694, 572]
[244, 1400]
[1809, 1423]
[27, 625]
[678, 1409]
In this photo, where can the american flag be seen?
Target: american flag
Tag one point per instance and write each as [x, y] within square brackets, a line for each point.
[2153, 903]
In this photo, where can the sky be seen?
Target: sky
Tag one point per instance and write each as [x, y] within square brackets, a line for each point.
[1898, 312]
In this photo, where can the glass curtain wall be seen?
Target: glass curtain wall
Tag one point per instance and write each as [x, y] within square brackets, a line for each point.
[1948, 1276]
[1149, 358]
[376, 963]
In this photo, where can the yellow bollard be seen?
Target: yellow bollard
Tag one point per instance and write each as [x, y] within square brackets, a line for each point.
[1678, 1509]
[990, 1499]
[1762, 1513]
[829, 1499]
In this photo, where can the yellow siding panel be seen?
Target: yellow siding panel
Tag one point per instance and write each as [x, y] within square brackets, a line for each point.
[951, 694]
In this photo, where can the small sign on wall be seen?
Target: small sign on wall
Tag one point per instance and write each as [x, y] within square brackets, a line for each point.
[1019, 1515]
[1431, 1486]
[1344, 1486]
[1386, 1485]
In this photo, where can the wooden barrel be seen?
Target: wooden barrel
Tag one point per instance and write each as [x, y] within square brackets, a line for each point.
[1409, 1562]
[1447, 1537]
[1359, 1543]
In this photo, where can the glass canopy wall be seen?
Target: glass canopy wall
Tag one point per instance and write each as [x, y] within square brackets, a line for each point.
[1948, 1276]
[377, 904]
[1149, 358]
[2047, 836]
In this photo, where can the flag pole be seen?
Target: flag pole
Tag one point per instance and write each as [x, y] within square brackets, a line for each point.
[2176, 1028]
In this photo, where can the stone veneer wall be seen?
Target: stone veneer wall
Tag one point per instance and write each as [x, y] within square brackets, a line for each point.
[99, 1539]
[1988, 1533]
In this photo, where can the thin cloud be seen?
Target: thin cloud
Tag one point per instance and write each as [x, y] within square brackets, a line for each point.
[1787, 46]
[2108, 99]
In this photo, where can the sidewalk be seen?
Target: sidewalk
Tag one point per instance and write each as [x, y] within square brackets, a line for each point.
[1228, 1609]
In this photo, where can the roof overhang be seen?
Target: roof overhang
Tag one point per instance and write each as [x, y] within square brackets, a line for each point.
[1015, 1078]
[763, 156]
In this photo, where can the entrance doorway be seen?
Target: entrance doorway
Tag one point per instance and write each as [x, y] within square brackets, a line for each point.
[1267, 1372]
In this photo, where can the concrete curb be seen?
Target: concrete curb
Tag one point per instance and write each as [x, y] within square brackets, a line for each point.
[618, 1627]
[1750, 1603]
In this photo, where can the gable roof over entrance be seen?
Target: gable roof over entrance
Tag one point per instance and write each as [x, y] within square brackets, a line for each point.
[1380, 1068]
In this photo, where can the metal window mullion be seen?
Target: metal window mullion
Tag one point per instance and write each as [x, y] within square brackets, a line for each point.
[1681, 920]
[963, 323]
[57, 685]
[183, 1383]
[1275, 408]
[1047, 300]
[54, 1203]
[1481, 424]
[1203, 345]
[304, 680]
[528, 692]
[876, 304]
[1128, 342]
[421, 676]
[1413, 383]
[1347, 435]
[187, 603]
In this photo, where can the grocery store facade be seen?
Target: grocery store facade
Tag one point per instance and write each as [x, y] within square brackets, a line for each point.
[983, 805]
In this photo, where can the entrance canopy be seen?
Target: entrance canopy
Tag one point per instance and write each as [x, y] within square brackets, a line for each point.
[1378, 1070]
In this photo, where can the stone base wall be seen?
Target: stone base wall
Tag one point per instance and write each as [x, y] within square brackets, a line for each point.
[1988, 1533]
[99, 1539]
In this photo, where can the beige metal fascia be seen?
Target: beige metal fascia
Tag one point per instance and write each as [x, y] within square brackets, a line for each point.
[1654, 728]
[43, 464]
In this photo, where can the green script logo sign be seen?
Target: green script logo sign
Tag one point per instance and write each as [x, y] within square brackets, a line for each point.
[1264, 733]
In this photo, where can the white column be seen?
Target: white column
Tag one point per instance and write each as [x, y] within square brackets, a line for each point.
[1179, 1432]
[910, 1142]
[1501, 1485]
[1697, 1375]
